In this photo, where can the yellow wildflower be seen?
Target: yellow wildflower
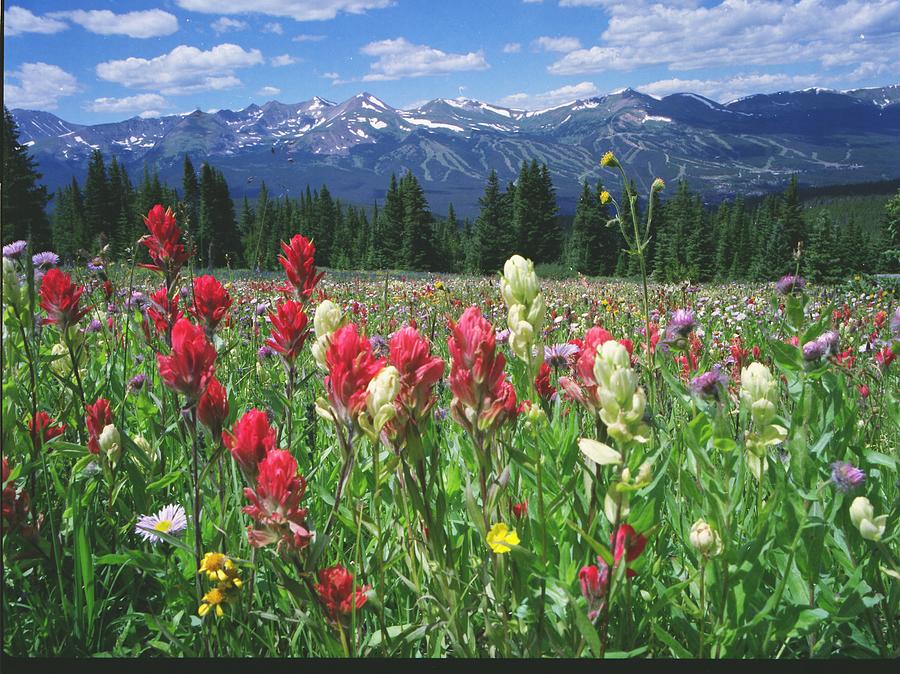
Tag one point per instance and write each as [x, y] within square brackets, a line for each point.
[609, 159]
[214, 598]
[500, 537]
[604, 197]
[219, 568]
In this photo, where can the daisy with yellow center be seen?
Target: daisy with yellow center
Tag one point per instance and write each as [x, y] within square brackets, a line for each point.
[213, 599]
[501, 537]
[171, 520]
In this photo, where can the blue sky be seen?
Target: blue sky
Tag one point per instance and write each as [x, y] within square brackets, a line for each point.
[92, 61]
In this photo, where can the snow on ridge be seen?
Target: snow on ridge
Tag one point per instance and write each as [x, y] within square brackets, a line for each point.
[656, 118]
[433, 125]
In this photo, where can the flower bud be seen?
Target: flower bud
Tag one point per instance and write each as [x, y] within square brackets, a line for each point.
[756, 383]
[705, 539]
[609, 159]
[145, 447]
[382, 390]
[519, 284]
[862, 514]
[328, 318]
[110, 442]
[12, 291]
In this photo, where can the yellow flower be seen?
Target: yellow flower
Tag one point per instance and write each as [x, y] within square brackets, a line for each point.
[609, 159]
[214, 598]
[604, 197]
[500, 537]
[657, 185]
[439, 285]
[219, 568]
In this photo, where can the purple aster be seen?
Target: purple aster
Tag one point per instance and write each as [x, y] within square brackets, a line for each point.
[261, 309]
[831, 341]
[95, 265]
[45, 259]
[710, 385]
[184, 292]
[380, 348]
[93, 326]
[265, 352]
[136, 301]
[14, 249]
[440, 413]
[136, 383]
[845, 476]
[558, 355]
[171, 520]
[679, 327]
[813, 350]
[502, 336]
[790, 284]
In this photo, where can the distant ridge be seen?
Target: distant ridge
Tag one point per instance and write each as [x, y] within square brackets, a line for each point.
[749, 145]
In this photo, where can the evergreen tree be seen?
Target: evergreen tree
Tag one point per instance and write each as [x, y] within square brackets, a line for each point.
[96, 202]
[417, 250]
[389, 238]
[23, 202]
[583, 251]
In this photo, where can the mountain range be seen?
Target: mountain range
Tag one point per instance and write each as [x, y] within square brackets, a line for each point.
[748, 146]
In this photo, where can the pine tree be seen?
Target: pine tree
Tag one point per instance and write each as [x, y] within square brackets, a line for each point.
[191, 189]
[23, 202]
[417, 249]
[583, 254]
[389, 239]
[490, 236]
[96, 202]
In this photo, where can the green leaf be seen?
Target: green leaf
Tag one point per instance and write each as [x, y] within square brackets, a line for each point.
[588, 631]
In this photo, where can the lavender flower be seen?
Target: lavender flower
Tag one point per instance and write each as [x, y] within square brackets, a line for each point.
[93, 326]
[261, 309]
[830, 341]
[14, 249]
[790, 285]
[136, 383]
[171, 520]
[679, 327]
[813, 350]
[265, 352]
[710, 385]
[95, 265]
[895, 323]
[380, 348]
[45, 259]
[558, 355]
[502, 336]
[845, 476]
[441, 413]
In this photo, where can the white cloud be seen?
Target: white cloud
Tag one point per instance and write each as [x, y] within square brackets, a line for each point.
[548, 99]
[299, 10]
[306, 37]
[183, 70]
[273, 27]
[686, 35]
[399, 58]
[149, 114]
[18, 20]
[283, 60]
[730, 88]
[128, 104]
[268, 91]
[331, 76]
[560, 44]
[150, 23]
[512, 47]
[40, 85]
[224, 24]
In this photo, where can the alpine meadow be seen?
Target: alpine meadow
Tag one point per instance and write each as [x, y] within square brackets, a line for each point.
[597, 369]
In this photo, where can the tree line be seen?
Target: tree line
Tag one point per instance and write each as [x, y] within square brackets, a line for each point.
[690, 240]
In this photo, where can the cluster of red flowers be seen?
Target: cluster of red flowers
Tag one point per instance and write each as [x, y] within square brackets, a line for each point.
[190, 365]
[299, 265]
[627, 543]
[335, 589]
[163, 311]
[211, 303]
[43, 429]
[351, 366]
[60, 299]
[583, 387]
[277, 486]
[419, 372]
[15, 506]
[290, 328]
[483, 399]
[97, 417]
[164, 243]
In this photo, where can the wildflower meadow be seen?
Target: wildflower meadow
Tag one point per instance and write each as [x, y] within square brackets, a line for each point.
[318, 464]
